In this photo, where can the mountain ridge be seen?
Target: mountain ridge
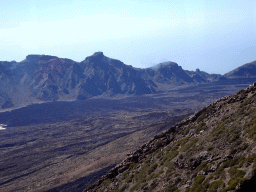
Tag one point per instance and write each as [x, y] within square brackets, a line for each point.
[44, 78]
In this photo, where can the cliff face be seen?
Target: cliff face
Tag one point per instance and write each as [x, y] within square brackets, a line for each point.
[212, 150]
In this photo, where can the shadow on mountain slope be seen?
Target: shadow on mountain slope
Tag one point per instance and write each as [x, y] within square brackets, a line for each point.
[81, 183]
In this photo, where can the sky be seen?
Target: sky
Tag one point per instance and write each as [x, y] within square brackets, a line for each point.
[215, 36]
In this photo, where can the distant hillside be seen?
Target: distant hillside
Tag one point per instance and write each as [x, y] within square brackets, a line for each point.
[212, 150]
[201, 76]
[245, 71]
[44, 78]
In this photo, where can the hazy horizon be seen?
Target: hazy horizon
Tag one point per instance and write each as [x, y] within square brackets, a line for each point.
[215, 37]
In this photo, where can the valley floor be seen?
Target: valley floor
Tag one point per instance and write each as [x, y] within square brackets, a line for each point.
[38, 156]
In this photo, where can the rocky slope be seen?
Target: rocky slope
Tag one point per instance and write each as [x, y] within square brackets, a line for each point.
[246, 70]
[44, 78]
[212, 150]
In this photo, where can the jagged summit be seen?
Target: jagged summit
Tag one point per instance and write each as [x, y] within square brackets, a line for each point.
[211, 150]
[97, 58]
[164, 64]
[98, 54]
[35, 57]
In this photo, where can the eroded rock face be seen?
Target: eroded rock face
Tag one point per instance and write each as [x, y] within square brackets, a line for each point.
[211, 150]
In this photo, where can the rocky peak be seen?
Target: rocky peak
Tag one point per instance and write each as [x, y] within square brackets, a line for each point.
[97, 58]
[36, 58]
[98, 54]
[167, 64]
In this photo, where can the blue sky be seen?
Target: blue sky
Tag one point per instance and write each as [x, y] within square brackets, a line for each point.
[212, 35]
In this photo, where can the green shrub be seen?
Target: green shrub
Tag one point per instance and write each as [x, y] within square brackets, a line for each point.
[126, 173]
[182, 141]
[201, 117]
[247, 160]
[106, 182]
[144, 186]
[254, 168]
[231, 162]
[232, 151]
[215, 185]
[200, 127]
[237, 143]
[250, 111]
[135, 187]
[252, 131]
[129, 179]
[123, 188]
[219, 131]
[158, 153]
[200, 148]
[246, 102]
[152, 176]
[209, 148]
[233, 183]
[234, 137]
[251, 122]
[243, 147]
[228, 163]
[171, 188]
[158, 143]
[152, 186]
[201, 166]
[199, 179]
[132, 166]
[186, 131]
[175, 148]
[242, 161]
[198, 185]
[191, 143]
[90, 187]
[170, 167]
[251, 158]
[170, 155]
[234, 172]
[140, 175]
[152, 168]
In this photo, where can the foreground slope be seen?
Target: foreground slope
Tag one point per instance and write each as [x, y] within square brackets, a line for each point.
[212, 150]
